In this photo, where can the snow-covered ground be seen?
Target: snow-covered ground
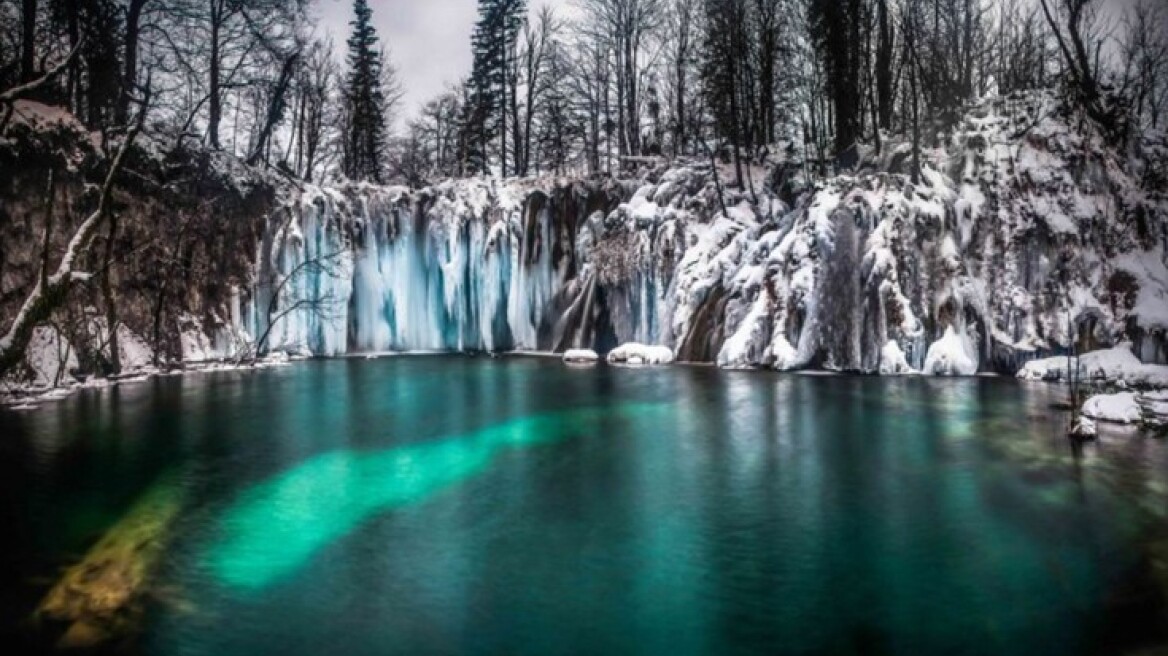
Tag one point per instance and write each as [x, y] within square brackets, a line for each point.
[1137, 392]
[1115, 366]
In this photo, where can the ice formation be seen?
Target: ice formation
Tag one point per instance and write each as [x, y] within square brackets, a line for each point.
[1025, 236]
[952, 355]
[893, 361]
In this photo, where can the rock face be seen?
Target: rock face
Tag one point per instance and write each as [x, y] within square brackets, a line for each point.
[1025, 236]
[187, 227]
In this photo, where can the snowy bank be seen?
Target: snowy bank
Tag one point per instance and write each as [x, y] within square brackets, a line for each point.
[1116, 366]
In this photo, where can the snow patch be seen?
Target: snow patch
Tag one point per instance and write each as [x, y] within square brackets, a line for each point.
[893, 361]
[1115, 408]
[952, 355]
[640, 354]
[580, 356]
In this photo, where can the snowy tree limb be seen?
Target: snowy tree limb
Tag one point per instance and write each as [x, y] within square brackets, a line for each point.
[8, 98]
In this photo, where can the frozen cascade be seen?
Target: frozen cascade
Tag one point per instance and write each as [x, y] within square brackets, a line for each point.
[998, 249]
[466, 267]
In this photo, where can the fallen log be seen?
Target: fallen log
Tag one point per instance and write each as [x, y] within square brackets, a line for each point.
[100, 601]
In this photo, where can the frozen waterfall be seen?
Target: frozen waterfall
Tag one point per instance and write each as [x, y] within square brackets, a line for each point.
[369, 269]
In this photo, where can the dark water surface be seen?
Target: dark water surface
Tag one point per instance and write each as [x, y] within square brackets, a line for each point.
[448, 505]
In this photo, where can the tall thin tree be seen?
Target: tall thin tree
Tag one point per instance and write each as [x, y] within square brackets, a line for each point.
[365, 101]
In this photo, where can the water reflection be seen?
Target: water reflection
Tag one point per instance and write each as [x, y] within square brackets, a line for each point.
[395, 506]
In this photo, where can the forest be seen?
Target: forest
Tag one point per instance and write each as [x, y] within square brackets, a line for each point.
[579, 87]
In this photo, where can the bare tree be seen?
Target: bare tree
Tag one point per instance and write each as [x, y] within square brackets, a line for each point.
[1019, 49]
[536, 43]
[1079, 32]
[9, 97]
[589, 83]
[313, 86]
[626, 26]
[681, 57]
[1143, 52]
[283, 301]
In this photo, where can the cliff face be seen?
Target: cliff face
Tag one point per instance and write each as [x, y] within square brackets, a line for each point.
[186, 224]
[1027, 232]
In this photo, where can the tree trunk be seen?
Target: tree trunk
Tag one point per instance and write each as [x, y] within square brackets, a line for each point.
[107, 290]
[633, 123]
[215, 113]
[28, 40]
[130, 72]
[884, 85]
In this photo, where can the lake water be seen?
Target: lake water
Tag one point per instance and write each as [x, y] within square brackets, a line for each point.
[450, 505]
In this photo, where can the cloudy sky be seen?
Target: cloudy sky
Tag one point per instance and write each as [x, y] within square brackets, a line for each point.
[429, 39]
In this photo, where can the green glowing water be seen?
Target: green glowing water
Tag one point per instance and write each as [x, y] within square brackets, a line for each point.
[420, 506]
[279, 524]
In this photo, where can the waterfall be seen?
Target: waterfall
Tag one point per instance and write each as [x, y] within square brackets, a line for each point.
[367, 270]
[862, 273]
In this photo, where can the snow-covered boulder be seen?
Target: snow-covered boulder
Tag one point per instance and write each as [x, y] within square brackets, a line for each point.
[580, 356]
[1114, 408]
[640, 354]
[893, 361]
[952, 355]
[1085, 429]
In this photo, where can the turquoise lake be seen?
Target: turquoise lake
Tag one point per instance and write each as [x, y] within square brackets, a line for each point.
[456, 505]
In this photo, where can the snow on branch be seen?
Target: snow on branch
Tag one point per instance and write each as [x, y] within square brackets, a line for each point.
[8, 98]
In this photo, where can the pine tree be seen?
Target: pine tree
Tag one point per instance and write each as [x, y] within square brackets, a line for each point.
[490, 91]
[365, 102]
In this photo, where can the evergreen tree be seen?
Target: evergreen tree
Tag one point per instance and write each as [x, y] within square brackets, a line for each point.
[490, 89]
[365, 102]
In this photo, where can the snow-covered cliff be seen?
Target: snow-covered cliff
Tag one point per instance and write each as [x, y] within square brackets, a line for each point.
[1027, 232]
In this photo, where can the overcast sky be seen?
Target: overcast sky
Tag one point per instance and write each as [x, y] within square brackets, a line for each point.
[429, 39]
